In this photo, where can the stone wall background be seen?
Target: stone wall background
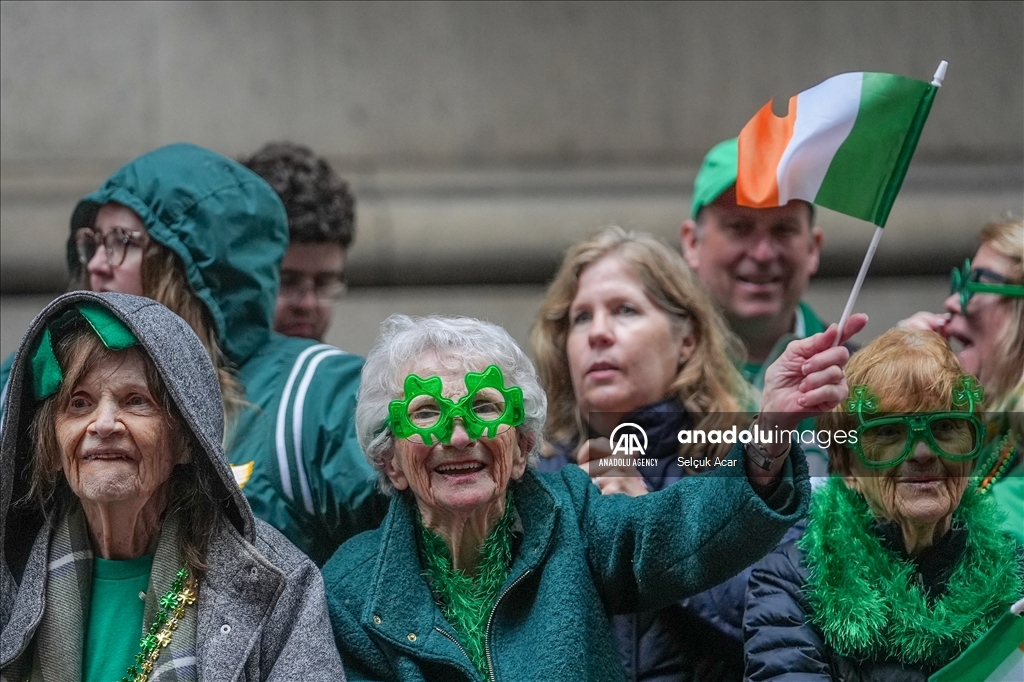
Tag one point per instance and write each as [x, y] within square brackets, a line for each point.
[482, 139]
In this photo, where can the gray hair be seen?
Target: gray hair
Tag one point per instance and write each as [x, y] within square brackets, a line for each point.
[461, 343]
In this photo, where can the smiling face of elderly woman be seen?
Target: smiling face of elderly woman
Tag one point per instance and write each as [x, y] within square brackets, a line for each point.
[113, 434]
[910, 371]
[924, 488]
[108, 430]
[465, 476]
[450, 411]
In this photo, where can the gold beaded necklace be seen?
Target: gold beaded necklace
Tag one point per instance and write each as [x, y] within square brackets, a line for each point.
[999, 462]
[165, 622]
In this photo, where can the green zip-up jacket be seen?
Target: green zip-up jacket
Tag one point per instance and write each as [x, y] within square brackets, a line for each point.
[579, 558]
[293, 447]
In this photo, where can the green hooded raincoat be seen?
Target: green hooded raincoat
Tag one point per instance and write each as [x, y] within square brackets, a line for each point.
[293, 447]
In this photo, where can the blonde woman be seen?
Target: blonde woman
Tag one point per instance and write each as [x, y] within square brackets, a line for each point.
[626, 336]
[985, 315]
[626, 329]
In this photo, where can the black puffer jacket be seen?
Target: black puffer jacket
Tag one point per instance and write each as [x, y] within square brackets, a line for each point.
[782, 644]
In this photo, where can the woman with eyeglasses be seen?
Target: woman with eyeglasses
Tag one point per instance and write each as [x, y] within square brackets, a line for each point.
[985, 315]
[205, 236]
[903, 563]
[486, 569]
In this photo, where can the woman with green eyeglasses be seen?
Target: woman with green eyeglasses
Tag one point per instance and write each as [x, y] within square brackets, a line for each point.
[484, 568]
[903, 563]
[985, 316]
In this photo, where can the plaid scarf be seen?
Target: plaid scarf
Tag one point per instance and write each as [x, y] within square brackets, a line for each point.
[60, 636]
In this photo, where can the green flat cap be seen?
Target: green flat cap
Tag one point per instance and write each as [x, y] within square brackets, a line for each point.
[717, 174]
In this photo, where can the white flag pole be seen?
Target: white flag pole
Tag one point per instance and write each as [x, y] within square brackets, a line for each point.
[940, 75]
[872, 247]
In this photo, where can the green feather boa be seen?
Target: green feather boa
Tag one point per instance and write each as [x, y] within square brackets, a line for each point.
[466, 600]
[862, 596]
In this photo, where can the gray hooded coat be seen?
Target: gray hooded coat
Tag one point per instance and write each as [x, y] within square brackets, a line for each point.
[261, 608]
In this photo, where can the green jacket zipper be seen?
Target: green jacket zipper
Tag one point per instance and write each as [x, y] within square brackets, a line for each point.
[490, 619]
[456, 642]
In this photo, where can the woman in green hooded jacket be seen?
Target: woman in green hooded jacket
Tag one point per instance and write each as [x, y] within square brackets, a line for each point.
[203, 235]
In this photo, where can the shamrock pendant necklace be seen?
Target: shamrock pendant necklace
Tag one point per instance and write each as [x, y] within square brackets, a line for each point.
[165, 622]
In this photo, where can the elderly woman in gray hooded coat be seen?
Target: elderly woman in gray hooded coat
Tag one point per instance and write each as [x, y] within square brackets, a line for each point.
[127, 551]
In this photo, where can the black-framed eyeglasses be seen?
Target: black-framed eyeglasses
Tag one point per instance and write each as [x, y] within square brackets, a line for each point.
[115, 243]
[326, 287]
[967, 282]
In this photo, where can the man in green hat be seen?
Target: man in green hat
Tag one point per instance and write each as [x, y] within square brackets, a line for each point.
[755, 263]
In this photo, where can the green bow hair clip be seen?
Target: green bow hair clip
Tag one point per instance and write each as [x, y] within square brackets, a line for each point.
[425, 416]
[887, 441]
[47, 374]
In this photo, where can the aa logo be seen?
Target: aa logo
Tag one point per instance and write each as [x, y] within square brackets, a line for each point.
[629, 439]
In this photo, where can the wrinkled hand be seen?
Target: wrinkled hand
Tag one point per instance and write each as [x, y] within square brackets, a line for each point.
[928, 321]
[610, 479]
[808, 377]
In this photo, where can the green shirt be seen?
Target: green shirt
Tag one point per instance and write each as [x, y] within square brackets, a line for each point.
[115, 617]
[1009, 496]
[807, 324]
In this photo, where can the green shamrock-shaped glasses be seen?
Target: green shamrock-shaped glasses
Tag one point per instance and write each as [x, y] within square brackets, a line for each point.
[425, 416]
[966, 282]
[888, 440]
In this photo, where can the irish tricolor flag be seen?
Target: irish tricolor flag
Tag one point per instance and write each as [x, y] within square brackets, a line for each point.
[845, 144]
[998, 656]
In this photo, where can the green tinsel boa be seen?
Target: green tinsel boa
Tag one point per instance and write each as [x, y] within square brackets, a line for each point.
[862, 595]
[466, 600]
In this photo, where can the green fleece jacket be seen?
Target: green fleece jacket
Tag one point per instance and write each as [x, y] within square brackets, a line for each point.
[293, 447]
[580, 557]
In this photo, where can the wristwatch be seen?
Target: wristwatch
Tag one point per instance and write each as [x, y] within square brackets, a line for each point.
[758, 455]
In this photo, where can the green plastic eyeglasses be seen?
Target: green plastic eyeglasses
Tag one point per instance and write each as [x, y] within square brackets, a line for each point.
[887, 441]
[488, 408]
[966, 282]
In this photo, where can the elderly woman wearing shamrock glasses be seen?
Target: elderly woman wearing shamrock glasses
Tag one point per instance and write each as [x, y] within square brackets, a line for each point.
[484, 568]
[903, 563]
